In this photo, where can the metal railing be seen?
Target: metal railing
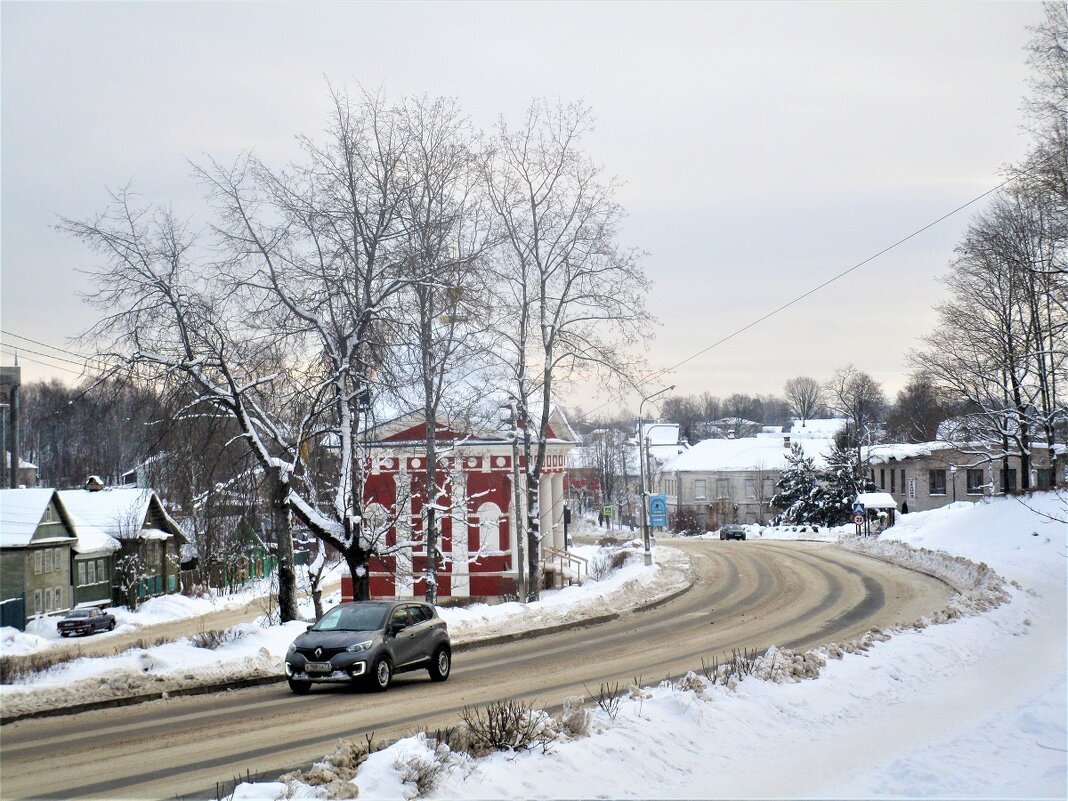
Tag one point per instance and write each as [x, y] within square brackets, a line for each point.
[564, 566]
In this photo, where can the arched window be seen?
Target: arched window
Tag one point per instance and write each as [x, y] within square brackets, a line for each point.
[489, 528]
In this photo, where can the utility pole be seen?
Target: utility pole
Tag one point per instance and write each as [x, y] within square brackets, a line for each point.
[647, 543]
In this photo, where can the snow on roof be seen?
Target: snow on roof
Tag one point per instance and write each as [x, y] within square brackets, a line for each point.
[102, 518]
[21, 511]
[877, 500]
[820, 428]
[880, 454]
[744, 453]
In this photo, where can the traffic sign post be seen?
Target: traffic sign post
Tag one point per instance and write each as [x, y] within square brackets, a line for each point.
[607, 510]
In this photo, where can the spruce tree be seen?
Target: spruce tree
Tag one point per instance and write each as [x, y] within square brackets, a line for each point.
[798, 491]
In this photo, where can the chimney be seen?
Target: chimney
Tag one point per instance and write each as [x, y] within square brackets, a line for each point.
[786, 442]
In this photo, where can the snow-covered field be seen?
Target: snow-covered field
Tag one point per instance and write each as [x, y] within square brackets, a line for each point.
[974, 708]
[257, 649]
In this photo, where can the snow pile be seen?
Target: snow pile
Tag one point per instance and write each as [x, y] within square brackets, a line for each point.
[970, 709]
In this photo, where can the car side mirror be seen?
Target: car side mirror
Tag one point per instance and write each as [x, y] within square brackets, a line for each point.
[310, 627]
[396, 628]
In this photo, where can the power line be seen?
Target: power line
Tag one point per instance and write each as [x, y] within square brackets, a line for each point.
[652, 376]
[43, 344]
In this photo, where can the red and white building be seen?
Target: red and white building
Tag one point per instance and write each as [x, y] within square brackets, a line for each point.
[477, 524]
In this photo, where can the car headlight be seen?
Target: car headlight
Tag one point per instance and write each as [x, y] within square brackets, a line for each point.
[292, 648]
[360, 646]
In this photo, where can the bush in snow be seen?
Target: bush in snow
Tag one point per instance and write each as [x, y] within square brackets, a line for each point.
[730, 670]
[215, 638]
[509, 726]
[608, 698]
[607, 560]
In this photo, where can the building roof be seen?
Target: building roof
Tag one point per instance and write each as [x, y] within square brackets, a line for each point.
[744, 454]
[880, 454]
[21, 511]
[102, 518]
[819, 428]
[877, 500]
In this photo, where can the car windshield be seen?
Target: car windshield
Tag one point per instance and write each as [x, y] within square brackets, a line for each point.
[355, 617]
[79, 613]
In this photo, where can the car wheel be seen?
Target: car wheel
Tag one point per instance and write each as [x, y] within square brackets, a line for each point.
[722, 537]
[299, 687]
[743, 538]
[111, 626]
[63, 634]
[441, 664]
[381, 674]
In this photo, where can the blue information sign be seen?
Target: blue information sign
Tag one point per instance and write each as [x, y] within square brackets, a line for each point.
[658, 511]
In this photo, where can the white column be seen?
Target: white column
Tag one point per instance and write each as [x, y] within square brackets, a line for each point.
[404, 580]
[545, 513]
[461, 581]
[559, 541]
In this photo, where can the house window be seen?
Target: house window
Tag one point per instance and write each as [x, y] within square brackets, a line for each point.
[92, 572]
[882, 478]
[59, 597]
[489, 528]
[975, 481]
[699, 489]
[903, 480]
[47, 561]
[81, 574]
[750, 489]
[37, 606]
[768, 488]
[936, 482]
[101, 573]
[1008, 480]
[723, 489]
[38, 562]
[893, 480]
[48, 599]
[49, 515]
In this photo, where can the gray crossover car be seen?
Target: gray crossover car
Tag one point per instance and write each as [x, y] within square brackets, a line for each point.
[370, 641]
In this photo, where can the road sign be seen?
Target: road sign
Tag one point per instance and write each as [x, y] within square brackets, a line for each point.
[858, 519]
[607, 510]
[658, 511]
[859, 508]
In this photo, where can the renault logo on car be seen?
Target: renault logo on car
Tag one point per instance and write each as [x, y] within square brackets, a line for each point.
[318, 653]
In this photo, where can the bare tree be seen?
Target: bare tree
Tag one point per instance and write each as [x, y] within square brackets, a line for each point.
[917, 412]
[857, 396]
[443, 322]
[805, 397]
[575, 297]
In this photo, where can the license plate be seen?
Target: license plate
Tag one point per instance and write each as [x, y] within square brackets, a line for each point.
[317, 667]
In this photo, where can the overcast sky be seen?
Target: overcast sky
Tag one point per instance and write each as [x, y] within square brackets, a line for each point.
[763, 147]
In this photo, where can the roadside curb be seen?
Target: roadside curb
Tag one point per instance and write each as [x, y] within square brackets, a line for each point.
[257, 681]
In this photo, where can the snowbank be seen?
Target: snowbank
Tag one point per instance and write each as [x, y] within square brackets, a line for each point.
[971, 709]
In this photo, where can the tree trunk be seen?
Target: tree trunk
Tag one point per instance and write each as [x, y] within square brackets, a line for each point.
[356, 560]
[283, 538]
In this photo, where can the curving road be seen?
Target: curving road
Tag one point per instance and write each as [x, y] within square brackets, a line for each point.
[747, 595]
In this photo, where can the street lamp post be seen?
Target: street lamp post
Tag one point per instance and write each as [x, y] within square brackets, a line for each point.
[645, 490]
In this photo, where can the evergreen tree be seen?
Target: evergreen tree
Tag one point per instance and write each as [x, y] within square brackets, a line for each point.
[842, 481]
[798, 491]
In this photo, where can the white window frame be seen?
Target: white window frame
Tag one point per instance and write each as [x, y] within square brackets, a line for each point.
[48, 599]
[38, 561]
[101, 571]
[58, 594]
[91, 573]
[81, 574]
[700, 489]
[38, 605]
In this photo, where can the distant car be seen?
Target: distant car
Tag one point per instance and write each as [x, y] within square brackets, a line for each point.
[85, 621]
[732, 533]
[370, 641]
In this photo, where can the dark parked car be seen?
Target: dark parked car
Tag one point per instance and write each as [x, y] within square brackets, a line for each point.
[370, 641]
[732, 533]
[85, 621]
